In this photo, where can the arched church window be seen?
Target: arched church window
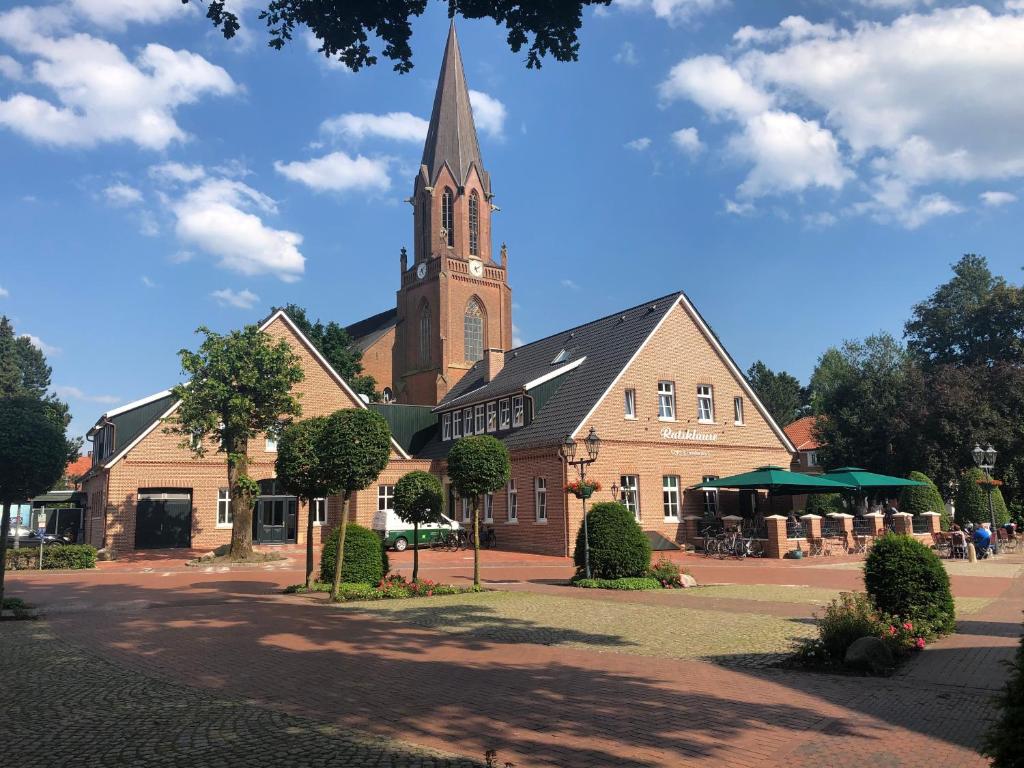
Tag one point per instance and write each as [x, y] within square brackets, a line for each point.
[473, 327]
[474, 223]
[425, 334]
[448, 216]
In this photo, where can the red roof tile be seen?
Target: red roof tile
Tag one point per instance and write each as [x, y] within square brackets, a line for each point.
[801, 434]
[79, 466]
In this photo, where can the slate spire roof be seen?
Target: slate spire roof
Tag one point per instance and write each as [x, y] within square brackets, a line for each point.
[451, 137]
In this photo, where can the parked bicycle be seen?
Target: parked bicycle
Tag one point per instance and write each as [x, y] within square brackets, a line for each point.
[488, 538]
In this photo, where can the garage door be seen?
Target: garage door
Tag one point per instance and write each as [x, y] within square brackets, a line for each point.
[163, 519]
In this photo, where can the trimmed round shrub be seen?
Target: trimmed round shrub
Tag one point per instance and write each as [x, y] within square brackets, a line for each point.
[823, 503]
[972, 500]
[916, 499]
[906, 579]
[618, 548]
[366, 562]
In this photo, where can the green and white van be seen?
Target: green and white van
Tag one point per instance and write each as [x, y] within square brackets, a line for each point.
[398, 534]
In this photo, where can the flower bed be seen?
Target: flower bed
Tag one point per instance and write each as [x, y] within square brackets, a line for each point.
[392, 587]
[662, 575]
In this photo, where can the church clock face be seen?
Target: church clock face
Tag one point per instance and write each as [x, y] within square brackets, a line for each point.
[421, 270]
[476, 268]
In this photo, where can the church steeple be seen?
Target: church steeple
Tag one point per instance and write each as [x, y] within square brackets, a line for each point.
[451, 137]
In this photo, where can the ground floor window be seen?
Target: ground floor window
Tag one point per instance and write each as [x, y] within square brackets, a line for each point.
[670, 495]
[541, 498]
[465, 509]
[489, 508]
[710, 497]
[629, 493]
[513, 502]
[319, 511]
[224, 518]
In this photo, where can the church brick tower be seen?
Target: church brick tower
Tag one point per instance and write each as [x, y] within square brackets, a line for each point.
[454, 301]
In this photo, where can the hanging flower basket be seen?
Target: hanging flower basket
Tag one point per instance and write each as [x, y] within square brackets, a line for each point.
[583, 490]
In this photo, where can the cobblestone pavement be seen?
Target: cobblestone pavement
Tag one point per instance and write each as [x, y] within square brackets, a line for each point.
[64, 706]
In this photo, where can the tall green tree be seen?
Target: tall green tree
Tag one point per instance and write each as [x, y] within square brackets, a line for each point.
[33, 454]
[916, 499]
[335, 344]
[343, 28]
[478, 465]
[419, 500]
[240, 385]
[972, 500]
[357, 445]
[779, 391]
[304, 470]
[976, 318]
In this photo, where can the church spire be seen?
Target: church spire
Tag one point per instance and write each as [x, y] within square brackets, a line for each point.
[451, 137]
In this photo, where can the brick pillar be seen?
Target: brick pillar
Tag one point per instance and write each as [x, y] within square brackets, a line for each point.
[691, 528]
[879, 521]
[903, 522]
[934, 521]
[846, 521]
[732, 521]
[812, 526]
[777, 544]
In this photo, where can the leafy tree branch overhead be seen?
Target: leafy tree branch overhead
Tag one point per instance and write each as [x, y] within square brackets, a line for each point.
[344, 27]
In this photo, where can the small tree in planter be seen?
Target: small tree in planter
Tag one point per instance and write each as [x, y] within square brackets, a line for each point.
[916, 499]
[478, 465]
[356, 447]
[419, 500]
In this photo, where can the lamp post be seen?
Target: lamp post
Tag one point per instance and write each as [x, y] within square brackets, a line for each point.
[986, 459]
[568, 451]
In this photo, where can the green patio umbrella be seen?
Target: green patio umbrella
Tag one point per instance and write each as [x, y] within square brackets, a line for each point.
[778, 482]
[864, 481]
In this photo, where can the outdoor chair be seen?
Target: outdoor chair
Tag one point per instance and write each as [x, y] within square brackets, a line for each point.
[942, 544]
[1006, 543]
[958, 546]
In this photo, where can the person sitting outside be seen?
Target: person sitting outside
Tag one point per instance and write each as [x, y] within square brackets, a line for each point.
[982, 540]
[957, 543]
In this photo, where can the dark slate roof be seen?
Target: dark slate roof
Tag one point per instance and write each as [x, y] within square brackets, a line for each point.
[412, 426]
[367, 331]
[451, 136]
[130, 424]
[608, 345]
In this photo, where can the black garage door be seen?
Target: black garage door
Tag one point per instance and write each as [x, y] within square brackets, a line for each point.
[163, 519]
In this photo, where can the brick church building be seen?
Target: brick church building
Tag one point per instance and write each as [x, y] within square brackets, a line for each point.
[670, 404]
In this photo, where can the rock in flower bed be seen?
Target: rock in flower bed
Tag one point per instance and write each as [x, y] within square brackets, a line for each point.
[392, 587]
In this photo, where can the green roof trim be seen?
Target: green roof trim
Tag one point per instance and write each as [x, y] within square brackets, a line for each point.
[412, 426]
[130, 424]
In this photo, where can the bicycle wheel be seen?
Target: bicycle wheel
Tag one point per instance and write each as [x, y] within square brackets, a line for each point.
[755, 548]
[710, 547]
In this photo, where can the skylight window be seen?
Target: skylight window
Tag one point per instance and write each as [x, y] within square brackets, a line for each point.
[561, 357]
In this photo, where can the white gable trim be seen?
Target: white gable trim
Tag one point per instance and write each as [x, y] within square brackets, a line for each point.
[554, 374]
[124, 451]
[137, 404]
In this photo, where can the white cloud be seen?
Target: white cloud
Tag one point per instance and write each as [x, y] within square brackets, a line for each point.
[571, 285]
[222, 218]
[820, 220]
[330, 62]
[715, 86]
[122, 195]
[176, 172]
[626, 55]
[180, 257]
[11, 68]
[42, 346]
[488, 113]
[4, 293]
[927, 208]
[688, 141]
[101, 96]
[517, 336]
[244, 299]
[146, 281]
[115, 14]
[67, 391]
[995, 198]
[789, 154]
[399, 126]
[337, 172]
[674, 11]
[639, 145]
[790, 29]
[739, 209]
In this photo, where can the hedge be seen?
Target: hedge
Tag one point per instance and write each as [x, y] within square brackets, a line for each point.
[631, 584]
[366, 562]
[972, 500]
[618, 548]
[1003, 742]
[905, 578]
[823, 503]
[916, 499]
[55, 556]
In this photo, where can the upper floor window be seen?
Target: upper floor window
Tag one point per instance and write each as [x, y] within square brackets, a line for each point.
[812, 458]
[666, 400]
[456, 424]
[517, 411]
[629, 405]
[474, 223]
[705, 404]
[473, 330]
[478, 427]
[737, 410]
[504, 414]
[492, 417]
[467, 421]
[448, 216]
[425, 334]
[446, 427]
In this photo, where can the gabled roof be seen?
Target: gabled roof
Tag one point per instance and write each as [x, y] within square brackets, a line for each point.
[367, 331]
[801, 434]
[79, 466]
[451, 135]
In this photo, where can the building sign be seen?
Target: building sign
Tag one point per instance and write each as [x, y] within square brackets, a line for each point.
[690, 452]
[689, 434]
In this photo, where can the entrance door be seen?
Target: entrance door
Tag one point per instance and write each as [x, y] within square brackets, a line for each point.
[274, 519]
[163, 519]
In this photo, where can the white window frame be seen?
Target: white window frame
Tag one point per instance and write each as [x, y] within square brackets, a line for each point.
[711, 508]
[456, 425]
[318, 509]
[492, 417]
[270, 445]
[504, 414]
[705, 395]
[540, 499]
[666, 401]
[512, 514]
[629, 404]
[224, 518]
[478, 426]
[518, 416]
[446, 427]
[489, 508]
[467, 421]
[737, 411]
[467, 511]
[385, 497]
[629, 493]
[812, 459]
[670, 496]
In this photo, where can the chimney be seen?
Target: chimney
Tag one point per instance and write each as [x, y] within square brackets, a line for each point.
[494, 361]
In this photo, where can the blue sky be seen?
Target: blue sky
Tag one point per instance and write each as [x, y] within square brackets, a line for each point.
[806, 171]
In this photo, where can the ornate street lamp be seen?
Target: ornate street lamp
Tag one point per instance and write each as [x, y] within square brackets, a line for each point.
[985, 458]
[568, 452]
